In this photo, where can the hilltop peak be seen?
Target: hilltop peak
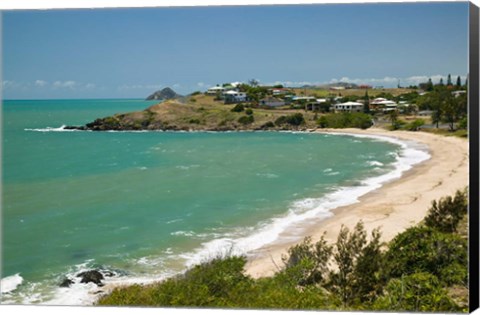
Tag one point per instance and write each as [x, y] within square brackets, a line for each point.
[163, 94]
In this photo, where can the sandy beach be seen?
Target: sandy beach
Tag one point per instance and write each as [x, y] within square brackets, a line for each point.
[395, 206]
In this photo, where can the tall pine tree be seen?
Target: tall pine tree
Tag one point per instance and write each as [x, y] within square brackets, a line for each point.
[430, 85]
[459, 81]
[366, 105]
[449, 80]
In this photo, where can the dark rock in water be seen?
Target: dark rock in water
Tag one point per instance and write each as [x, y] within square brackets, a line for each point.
[66, 283]
[74, 128]
[91, 276]
[164, 94]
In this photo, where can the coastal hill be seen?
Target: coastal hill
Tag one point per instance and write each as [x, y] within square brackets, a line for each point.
[204, 113]
[163, 94]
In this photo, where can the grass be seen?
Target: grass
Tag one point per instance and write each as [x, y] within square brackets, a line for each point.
[460, 133]
[208, 114]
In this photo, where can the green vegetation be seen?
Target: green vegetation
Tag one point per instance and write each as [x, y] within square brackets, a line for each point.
[238, 108]
[446, 107]
[423, 269]
[293, 120]
[445, 214]
[414, 125]
[245, 120]
[345, 120]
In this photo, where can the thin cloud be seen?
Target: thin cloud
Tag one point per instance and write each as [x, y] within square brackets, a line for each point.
[64, 84]
[40, 83]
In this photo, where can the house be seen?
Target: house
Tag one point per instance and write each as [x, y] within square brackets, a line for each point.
[234, 97]
[301, 99]
[383, 104]
[351, 107]
[215, 90]
[272, 102]
[280, 91]
[458, 93]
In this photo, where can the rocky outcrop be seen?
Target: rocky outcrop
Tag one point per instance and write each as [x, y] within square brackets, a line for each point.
[91, 276]
[66, 283]
[164, 94]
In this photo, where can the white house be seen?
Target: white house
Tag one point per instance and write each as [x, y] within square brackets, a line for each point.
[216, 89]
[348, 107]
[234, 97]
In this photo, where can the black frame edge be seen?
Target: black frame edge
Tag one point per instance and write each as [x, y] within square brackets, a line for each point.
[473, 101]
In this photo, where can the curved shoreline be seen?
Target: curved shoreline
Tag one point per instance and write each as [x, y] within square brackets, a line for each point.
[395, 206]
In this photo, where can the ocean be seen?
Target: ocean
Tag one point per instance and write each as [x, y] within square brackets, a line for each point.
[147, 205]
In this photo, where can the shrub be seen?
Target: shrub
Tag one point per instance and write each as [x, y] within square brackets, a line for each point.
[294, 120]
[194, 121]
[238, 108]
[418, 292]
[267, 125]
[280, 120]
[307, 262]
[423, 249]
[345, 120]
[358, 263]
[245, 120]
[249, 111]
[445, 214]
[414, 125]
[463, 123]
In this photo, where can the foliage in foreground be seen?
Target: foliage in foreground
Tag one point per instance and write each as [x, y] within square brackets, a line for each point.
[412, 273]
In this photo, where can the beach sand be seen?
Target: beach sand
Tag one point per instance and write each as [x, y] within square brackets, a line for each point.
[395, 206]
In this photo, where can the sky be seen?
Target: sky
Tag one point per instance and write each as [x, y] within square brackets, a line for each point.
[130, 53]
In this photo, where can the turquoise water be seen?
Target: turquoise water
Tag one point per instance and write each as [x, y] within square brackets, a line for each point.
[147, 203]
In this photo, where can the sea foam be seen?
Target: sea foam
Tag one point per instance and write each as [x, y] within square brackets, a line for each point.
[10, 283]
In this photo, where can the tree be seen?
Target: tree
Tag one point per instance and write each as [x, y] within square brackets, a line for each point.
[307, 262]
[436, 116]
[393, 117]
[348, 249]
[441, 82]
[253, 82]
[449, 80]
[459, 82]
[366, 107]
[445, 214]
[451, 111]
[368, 281]
[429, 85]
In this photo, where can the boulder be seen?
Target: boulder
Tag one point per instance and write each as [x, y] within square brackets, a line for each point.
[66, 283]
[91, 276]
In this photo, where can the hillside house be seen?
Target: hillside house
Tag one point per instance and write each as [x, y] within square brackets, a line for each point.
[234, 97]
[215, 90]
[272, 102]
[350, 107]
